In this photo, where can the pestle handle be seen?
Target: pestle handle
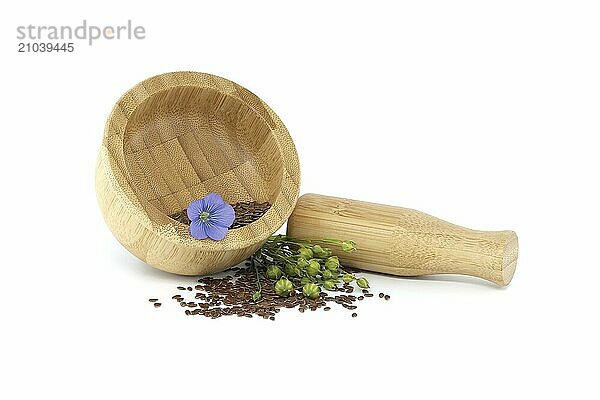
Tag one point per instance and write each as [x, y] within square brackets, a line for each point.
[404, 242]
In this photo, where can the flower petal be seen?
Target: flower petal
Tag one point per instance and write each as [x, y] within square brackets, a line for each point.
[215, 232]
[212, 201]
[223, 215]
[198, 229]
[194, 209]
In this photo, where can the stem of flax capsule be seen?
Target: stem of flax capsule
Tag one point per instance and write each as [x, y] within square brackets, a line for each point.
[258, 285]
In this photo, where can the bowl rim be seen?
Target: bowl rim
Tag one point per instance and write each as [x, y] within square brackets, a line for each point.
[156, 220]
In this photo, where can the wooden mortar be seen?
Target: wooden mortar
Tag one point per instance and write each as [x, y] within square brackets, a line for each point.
[404, 242]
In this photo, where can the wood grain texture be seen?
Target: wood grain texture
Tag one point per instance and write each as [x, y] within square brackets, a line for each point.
[405, 242]
[176, 137]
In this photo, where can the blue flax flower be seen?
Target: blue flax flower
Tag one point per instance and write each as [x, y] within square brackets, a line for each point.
[210, 217]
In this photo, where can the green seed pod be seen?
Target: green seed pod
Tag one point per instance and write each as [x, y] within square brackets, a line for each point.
[362, 283]
[291, 270]
[348, 246]
[311, 290]
[321, 252]
[332, 263]
[313, 268]
[306, 253]
[302, 263]
[256, 296]
[284, 287]
[274, 272]
[348, 278]
[327, 274]
[329, 284]
[305, 280]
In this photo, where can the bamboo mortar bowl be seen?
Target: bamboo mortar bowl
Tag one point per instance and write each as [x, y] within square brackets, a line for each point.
[176, 137]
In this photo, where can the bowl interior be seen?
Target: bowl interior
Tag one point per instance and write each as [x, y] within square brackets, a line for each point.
[185, 142]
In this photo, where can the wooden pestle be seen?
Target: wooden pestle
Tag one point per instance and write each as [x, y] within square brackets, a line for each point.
[404, 242]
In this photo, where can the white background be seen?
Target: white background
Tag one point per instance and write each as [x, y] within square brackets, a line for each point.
[481, 113]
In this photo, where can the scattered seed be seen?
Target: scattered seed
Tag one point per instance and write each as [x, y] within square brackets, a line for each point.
[381, 295]
[354, 315]
[387, 296]
[156, 305]
[231, 295]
